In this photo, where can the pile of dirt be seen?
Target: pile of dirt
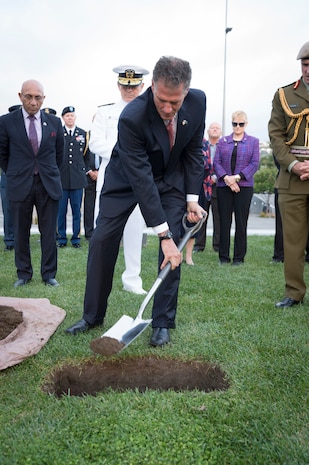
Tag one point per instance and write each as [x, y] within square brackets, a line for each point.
[9, 320]
[139, 373]
[25, 327]
[106, 346]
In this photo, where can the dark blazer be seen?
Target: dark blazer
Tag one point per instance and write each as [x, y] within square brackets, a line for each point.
[17, 158]
[73, 170]
[90, 162]
[143, 147]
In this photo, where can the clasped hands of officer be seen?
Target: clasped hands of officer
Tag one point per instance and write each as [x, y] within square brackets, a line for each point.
[301, 169]
[170, 250]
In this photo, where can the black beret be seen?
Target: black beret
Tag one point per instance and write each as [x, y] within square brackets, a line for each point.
[68, 110]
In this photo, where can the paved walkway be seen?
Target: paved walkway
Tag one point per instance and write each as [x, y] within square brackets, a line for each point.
[256, 225]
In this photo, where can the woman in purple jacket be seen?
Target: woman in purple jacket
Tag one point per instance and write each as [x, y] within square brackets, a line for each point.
[235, 162]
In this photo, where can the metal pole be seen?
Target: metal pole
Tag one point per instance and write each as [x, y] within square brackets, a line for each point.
[227, 30]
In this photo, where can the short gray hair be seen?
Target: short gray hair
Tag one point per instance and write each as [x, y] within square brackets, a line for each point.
[173, 71]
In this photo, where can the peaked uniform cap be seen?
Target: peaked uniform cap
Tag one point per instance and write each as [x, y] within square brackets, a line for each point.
[13, 108]
[51, 111]
[130, 75]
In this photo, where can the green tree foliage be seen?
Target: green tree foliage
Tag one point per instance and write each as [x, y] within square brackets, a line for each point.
[264, 179]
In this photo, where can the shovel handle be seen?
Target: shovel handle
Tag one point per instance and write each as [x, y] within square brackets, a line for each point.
[189, 231]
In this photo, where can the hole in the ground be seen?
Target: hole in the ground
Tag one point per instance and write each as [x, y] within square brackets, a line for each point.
[139, 373]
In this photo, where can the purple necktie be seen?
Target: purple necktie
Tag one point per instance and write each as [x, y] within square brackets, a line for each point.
[171, 132]
[33, 137]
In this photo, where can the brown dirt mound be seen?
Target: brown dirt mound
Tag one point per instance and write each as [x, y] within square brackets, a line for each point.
[9, 320]
[106, 346]
[136, 373]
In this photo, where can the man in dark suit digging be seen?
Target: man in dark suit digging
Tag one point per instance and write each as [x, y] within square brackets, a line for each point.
[157, 162]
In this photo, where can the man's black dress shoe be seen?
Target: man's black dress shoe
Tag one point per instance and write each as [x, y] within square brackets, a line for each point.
[76, 246]
[160, 336]
[197, 249]
[21, 282]
[288, 302]
[60, 245]
[237, 263]
[51, 282]
[8, 248]
[277, 260]
[80, 326]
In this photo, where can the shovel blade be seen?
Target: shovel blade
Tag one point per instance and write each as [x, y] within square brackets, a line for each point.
[126, 329]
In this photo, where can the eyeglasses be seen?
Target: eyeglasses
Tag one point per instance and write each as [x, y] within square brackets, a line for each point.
[241, 125]
[29, 97]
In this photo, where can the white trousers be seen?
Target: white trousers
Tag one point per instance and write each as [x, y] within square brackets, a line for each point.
[132, 247]
[132, 250]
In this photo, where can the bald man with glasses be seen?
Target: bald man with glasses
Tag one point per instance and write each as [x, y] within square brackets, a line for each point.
[31, 154]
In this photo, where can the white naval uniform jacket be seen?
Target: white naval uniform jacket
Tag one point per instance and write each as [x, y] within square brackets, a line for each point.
[103, 135]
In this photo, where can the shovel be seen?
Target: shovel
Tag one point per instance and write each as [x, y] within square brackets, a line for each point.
[126, 329]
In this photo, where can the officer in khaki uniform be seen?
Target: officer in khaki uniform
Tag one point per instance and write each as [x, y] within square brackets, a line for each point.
[289, 136]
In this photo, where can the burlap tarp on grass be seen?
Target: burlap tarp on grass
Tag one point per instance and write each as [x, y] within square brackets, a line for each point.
[40, 319]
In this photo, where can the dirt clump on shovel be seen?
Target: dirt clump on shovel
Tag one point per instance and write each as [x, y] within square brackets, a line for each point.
[106, 346]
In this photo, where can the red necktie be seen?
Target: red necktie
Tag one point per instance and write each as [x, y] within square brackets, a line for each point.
[171, 132]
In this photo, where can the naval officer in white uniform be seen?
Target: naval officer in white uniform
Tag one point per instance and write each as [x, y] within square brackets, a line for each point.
[102, 140]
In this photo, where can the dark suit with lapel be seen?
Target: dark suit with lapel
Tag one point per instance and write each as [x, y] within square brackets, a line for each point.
[25, 189]
[143, 170]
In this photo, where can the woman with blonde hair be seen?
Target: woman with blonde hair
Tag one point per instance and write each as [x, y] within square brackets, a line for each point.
[235, 163]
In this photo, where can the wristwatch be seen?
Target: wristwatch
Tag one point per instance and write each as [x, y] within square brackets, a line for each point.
[237, 177]
[167, 235]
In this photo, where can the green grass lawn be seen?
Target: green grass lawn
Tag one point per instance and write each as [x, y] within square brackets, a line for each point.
[226, 316]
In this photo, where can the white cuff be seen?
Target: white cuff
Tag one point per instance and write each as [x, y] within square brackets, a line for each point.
[192, 198]
[160, 228]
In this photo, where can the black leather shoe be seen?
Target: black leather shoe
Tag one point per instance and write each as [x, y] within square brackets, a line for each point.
[61, 246]
[237, 263]
[76, 246]
[288, 302]
[8, 248]
[197, 249]
[277, 260]
[21, 282]
[80, 326]
[160, 336]
[51, 282]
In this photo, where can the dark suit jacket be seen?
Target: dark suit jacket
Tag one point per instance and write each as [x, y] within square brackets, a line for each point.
[17, 158]
[90, 162]
[142, 156]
